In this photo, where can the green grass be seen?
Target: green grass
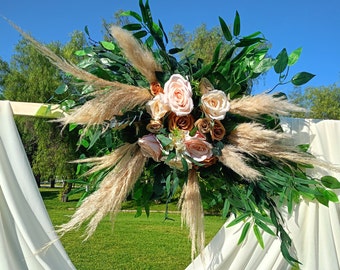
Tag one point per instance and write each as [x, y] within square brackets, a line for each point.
[132, 243]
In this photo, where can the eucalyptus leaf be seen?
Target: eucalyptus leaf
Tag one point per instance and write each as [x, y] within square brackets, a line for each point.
[61, 89]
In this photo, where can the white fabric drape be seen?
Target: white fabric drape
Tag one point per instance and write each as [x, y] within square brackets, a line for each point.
[314, 228]
[25, 227]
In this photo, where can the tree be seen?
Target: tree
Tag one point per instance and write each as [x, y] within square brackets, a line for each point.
[320, 102]
[30, 77]
[198, 43]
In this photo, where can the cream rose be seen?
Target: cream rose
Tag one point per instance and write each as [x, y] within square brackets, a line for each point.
[177, 163]
[215, 104]
[198, 149]
[156, 107]
[178, 94]
[150, 147]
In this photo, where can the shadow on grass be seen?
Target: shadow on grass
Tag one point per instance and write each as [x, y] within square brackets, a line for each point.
[49, 194]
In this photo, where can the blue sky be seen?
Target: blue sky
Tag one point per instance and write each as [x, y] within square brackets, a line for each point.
[290, 24]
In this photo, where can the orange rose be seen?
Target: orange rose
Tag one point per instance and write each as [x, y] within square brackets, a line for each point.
[203, 125]
[154, 126]
[218, 131]
[185, 122]
[209, 161]
[156, 88]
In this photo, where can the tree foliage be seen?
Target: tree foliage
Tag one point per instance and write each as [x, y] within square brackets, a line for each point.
[30, 77]
[321, 102]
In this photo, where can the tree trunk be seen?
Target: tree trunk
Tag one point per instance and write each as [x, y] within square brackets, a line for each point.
[66, 189]
[52, 181]
[37, 179]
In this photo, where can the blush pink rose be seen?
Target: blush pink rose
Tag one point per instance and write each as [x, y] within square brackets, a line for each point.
[151, 147]
[178, 93]
[198, 149]
[215, 104]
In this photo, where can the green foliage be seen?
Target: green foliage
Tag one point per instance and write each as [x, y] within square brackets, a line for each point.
[320, 102]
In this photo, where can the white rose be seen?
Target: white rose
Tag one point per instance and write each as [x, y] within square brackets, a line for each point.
[215, 104]
[178, 93]
[157, 107]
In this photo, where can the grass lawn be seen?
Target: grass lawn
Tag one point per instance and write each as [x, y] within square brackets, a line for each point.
[132, 243]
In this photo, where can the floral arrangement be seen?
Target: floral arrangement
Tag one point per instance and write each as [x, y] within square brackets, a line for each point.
[190, 126]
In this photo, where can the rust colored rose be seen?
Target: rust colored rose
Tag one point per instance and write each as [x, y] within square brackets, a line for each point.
[203, 125]
[156, 88]
[209, 161]
[218, 131]
[185, 122]
[154, 126]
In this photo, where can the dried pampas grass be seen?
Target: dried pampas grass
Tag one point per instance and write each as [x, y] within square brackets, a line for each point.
[192, 212]
[141, 58]
[255, 140]
[108, 104]
[66, 66]
[254, 106]
[112, 192]
[233, 159]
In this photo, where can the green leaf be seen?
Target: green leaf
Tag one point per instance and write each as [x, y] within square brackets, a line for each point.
[226, 207]
[108, 45]
[294, 56]
[61, 89]
[258, 235]
[132, 27]
[165, 141]
[175, 50]
[140, 34]
[286, 255]
[238, 219]
[245, 42]
[331, 196]
[72, 126]
[237, 24]
[264, 227]
[80, 53]
[330, 182]
[302, 78]
[282, 61]
[244, 232]
[225, 30]
[264, 65]
[133, 14]
[86, 29]
[84, 143]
